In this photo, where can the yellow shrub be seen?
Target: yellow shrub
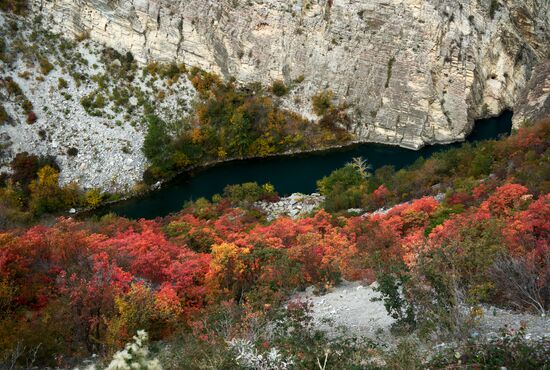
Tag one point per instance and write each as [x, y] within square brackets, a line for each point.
[93, 197]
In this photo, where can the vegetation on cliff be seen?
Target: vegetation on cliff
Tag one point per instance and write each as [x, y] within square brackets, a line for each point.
[232, 121]
[19, 7]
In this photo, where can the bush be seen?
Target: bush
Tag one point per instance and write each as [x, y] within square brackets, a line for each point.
[135, 355]
[93, 102]
[156, 145]
[27, 106]
[391, 284]
[344, 188]
[524, 283]
[19, 7]
[45, 65]
[31, 118]
[93, 197]
[322, 102]
[405, 356]
[279, 88]
[4, 116]
[72, 152]
[45, 194]
[510, 350]
[248, 193]
[24, 167]
[62, 83]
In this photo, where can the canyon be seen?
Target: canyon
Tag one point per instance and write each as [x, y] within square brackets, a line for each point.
[412, 72]
[409, 73]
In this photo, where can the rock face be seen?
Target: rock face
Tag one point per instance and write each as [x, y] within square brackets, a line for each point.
[412, 71]
[534, 101]
[293, 206]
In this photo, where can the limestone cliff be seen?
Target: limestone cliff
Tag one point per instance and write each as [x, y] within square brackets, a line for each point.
[413, 71]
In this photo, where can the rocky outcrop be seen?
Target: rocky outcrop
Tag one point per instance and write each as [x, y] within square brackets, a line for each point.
[411, 71]
[355, 307]
[294, 206]
[94, 147]
[533, 103]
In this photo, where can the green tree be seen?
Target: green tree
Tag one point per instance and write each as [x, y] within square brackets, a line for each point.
[343, 188]
[157, 141]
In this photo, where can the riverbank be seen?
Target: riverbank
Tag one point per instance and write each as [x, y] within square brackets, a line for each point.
[293, 172]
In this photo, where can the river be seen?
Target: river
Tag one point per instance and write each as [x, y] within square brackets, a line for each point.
[289, 174]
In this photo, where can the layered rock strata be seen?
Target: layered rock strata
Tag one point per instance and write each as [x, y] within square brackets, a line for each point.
[413, 72]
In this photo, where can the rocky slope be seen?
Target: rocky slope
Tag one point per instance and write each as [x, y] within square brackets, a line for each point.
[353, 306]
[412, 71]
[88, 111]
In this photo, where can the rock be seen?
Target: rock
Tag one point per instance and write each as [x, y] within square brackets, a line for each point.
[414, 72]
[534, 101]
[295, 205]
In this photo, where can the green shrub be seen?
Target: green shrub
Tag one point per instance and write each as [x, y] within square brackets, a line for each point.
[248, 192]
[441, 215]
[13, 88]
[344, 188]
[4, 116]
[62, 83]
[45, 65]
[405, 356]
[93, 102]
[19, 7]
[322, 102]
[157, 141]
[279, 88]
[27, 106]
[392, 282]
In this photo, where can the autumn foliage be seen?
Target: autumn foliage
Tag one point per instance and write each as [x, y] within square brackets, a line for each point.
[104, 280]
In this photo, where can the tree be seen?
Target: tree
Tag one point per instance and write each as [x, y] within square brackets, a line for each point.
[343, 188]
[362, 166]
[24, 167]
[93, 197]
[46, 195]
[157, 141]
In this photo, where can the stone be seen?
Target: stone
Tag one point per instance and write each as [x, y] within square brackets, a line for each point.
[413, 72]
[294, 206]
